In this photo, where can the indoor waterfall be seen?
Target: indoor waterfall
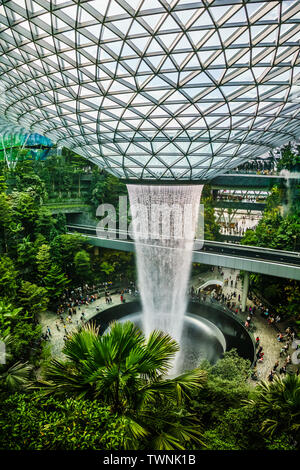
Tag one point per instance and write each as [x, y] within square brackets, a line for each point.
[164, 220]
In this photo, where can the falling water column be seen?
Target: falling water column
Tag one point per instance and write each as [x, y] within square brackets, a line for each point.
[164, 220]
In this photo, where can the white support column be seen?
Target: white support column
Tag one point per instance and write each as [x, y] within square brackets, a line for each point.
[245, 291]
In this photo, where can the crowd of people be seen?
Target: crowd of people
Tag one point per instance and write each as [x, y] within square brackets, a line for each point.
[264, 167]
[231, 299]
[238, 228]
[75, 301]
[277, 369]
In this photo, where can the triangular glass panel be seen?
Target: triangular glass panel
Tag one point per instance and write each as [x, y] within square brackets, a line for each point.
[197, 36]
[153, 20]
[213, 40]
[204, 20]
[123, 25]
[169, 23]
[140, 43]
[154, 47]
[239, 17]
[106, 33]
[115, 9]
[84, 15]
[168, 39]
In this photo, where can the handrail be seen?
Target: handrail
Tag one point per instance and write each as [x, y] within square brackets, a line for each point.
[207, 242]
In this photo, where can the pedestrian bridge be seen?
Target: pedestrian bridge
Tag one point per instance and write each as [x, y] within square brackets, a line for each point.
[260, 260]
[245, 205]
[211, 282]
[250, 181]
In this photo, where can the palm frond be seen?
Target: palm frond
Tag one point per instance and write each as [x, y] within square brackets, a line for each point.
[81, 342]
[161, 348]
[165, 441]
[134, 432]
[188, 382]
[16, 376]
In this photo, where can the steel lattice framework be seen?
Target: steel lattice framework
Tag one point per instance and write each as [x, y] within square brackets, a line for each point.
[169, 89]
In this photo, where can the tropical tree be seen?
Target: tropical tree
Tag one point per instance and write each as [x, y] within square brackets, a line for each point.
[26, 252]
[8, 277]
[124, 370]
[290, 159]
[8, 314]
[107, 268]
[32, 298]
[6, 215]
[82, 262]
[12, 376]
[279, 403]
[45, 223]
[25, 209]
[55, 282]
[63, 248]
[211, 227]
[15, 377]
[231, 367]
[27, 178]
[43, 259]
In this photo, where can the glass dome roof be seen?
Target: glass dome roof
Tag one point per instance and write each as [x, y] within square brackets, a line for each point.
[169, 89]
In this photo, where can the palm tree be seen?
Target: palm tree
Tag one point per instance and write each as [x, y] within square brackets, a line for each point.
[279, 402]
[123, 370]
[12, 377]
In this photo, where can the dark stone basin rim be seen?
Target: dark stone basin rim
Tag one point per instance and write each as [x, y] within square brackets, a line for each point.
[235, 333]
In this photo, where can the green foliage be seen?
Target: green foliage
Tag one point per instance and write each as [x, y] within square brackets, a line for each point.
[236, 415]
[292, 295]
[283, 233]
[279, 403]
[118, 263]
[32, 423]
[55, 282]
[289, 160]
[26, 255]
[60, 223]
[6, 215]
[274, 230]
[231, 367]
[32, 298]
[8, 277]
[25, 209]
[225, 388]
[106, 189]
[26, 336]
[13, 376]
[274, 199]
[63, 249]
[283, 442]
[8, 315]
[82, 264]
[127, 372]
[211, 227]
[107, 268]
[235, 429]
[27, 178]
[45, 223]
[43, 259]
